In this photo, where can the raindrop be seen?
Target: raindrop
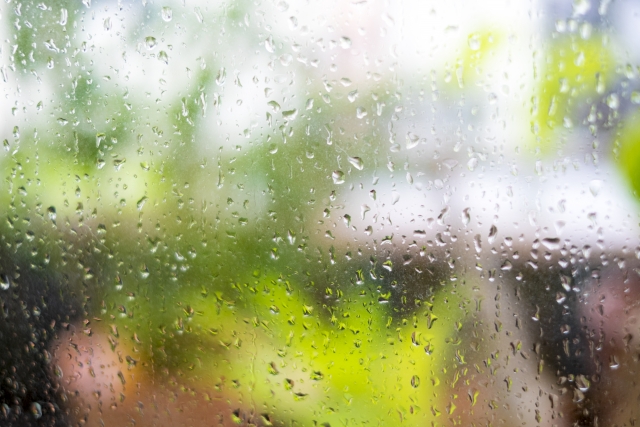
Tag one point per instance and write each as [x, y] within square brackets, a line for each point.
[477, 243]
[356, 162]
[582, 383]
[415, 381]
[51, 212]
[268, 44]
[492, 234]
[595, 186]
[274, 106]
[338, 177]
[551, 243]
[150, 42]
[167, 14]
[5, 282]
[412, 140]
[506, 266]
[36, 410]
[290, 114]
[221, 77]
[141, 202]
[474, 42]
[450, 163]
[63, 16]
[162, 56]
[466, 216]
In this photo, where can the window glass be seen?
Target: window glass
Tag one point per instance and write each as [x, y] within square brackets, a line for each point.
[335, 213]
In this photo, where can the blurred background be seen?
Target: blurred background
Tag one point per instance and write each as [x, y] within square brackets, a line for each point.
[338, 213]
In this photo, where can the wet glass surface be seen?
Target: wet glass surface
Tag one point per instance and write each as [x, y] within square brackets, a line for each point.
[334, 213]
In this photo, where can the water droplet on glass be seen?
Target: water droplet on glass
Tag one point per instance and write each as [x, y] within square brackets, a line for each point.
[5, 282]
[221, 77]
[150, 42]
[51, 212]
[551, 243]
[338, 177]
[595, 186]
[582, 383]
[141, 203]
[474, 42]
[36, 410]
[63, 17]
[450, 163]
[477, 243]
[162, 56]
[560, 297]
[412, 140]
[506, 266]
[167, 14]
[613, 101]
[415, 381]
[268, 44]
[274, 106]
[493, 231]
[290, 114]
[356, 162]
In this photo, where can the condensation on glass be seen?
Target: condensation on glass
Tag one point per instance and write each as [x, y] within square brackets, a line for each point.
[340, 213]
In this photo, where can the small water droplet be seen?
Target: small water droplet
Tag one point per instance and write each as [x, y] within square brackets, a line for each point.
[613, 101]
[51, 212]
[63, 16]
[466, 216]
[595, 186]
[274, 106]
[36, 410]
[415, 381]
[290, 114]
[450, 163]
[162, 56]
[141, 202]
[221, 77]
[582, 383]
[150, 42]
[412, 140]
[356, 162]
[338, 177]
[493, 231]
[474, 42]
[5, 282]
[167, 14]
[551, 243]
[477, 243]
[269, 45]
